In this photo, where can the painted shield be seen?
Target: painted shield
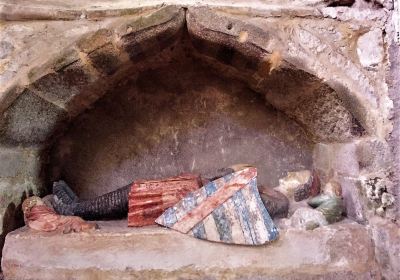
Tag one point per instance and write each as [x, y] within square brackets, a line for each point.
[227, 210]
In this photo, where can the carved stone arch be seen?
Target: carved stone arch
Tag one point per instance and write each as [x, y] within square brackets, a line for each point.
[100, 59]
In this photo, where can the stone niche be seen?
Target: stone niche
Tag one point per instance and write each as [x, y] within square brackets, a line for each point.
[116, 94]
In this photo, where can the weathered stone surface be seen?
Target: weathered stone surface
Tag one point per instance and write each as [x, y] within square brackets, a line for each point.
[340, 158]
[324, 112]
[353, 198]
[386, 236]
[370, 48]
[290, 184]
[5, 49]
[95, 41]
[58, 10]
[331, 206]
[30, 120]
[151, 34]
[105, 59]
[326, 116]
[178, 118]
[276, 202]
[318, 40]
[373, 155]
[307, 218]
[16, 161]
[60, 87]
[342, 250]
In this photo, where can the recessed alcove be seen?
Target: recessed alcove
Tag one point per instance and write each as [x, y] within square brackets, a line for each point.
[188, 112]
[177, 90]
[178, 118]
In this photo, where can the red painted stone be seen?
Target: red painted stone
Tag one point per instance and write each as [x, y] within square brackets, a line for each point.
[309, 189]
[316, 184]
[149, 199]
[40, 217]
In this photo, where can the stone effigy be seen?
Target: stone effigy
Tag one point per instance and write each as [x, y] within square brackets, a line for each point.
[112, 205]
[115, 204]
[148, 199]
[40, 217]
[228, 210]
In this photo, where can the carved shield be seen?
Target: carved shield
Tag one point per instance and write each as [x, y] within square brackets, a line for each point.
[227, 210]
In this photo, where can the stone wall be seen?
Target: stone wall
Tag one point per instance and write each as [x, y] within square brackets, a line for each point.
[330, 66]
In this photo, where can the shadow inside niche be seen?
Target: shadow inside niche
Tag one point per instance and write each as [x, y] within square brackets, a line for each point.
[13, 219]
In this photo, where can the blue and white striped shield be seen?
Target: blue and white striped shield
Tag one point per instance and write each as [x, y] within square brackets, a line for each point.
[227, 210]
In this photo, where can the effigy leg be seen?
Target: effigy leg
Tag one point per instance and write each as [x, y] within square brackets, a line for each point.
[64, 192]
[108, 206]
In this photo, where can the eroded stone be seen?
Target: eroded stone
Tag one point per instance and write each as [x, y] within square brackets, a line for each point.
[105, 59]
[342, 250]
[370, 48]
[60, 87]
[290, 184]
[386, 236]
[276, 202]
[17, 162]
[148, 36]
[5, 49]
[307, 218]
[30, 120]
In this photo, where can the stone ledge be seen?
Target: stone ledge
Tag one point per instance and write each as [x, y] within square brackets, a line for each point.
[115, 251]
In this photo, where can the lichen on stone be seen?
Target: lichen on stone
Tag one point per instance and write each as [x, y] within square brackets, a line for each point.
[376, 189]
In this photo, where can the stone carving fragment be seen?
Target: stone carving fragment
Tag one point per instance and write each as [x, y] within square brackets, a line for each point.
[376, 188]
[330, 203]
[149, 199]
[227, 210]
[40, 217]
[327, 208]
[300, 185]
[307, 218]
[276, 202]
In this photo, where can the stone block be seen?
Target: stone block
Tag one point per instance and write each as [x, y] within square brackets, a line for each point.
[339, 251]
[386, 236]
[337, 158]
[353, 198]
[370, 48]
[148, 35]
[61, 86]
[374, 155]
[322, 158]
[203, 25]
[15, 161]
[344, 159]
[30, 120]
[5, 49]
[97, 40]
[105, 59]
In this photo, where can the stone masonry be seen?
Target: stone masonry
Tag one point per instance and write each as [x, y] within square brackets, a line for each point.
[326, 70]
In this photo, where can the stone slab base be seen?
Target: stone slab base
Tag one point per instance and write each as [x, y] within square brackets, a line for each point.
[340, 251]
